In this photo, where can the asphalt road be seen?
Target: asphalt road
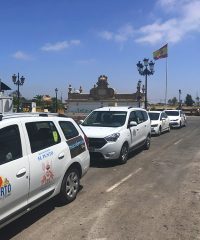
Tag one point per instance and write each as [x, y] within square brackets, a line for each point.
[156, 196]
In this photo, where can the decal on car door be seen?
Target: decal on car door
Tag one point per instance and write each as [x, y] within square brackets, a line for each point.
[5, 188]
[47, 173]
[45, 154]
[76, 146]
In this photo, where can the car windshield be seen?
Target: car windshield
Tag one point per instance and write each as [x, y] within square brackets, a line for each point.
[154, 116]
[172, 113]
[105, 119]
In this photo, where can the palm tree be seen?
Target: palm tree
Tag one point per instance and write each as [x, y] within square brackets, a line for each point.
[39, 100]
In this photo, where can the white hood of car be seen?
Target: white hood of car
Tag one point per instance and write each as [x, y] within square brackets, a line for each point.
[173, 117]
[99, 132]
[155, 122]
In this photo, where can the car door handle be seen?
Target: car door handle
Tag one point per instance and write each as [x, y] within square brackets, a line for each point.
[137, 129]
[21, 173]
[61, 156]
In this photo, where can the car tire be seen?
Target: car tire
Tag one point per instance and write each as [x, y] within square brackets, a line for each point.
[147, 143]
[180, 125]
[70, 186]
[124, 154]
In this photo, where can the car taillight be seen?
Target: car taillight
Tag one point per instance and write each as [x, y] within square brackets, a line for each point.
[85, 137]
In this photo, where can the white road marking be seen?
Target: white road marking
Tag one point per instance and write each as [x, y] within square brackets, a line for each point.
[123, 180]
[178, 141]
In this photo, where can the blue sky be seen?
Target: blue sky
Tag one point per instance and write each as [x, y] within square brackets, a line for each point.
[57, 43]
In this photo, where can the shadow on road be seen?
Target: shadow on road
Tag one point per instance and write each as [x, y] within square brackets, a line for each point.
[96, 162]
[101, 163]
[26, 220]
[30, 218]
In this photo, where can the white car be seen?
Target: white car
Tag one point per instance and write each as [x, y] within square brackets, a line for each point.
[159, 122]
[114, 131]
[177, 118]
[40, 157]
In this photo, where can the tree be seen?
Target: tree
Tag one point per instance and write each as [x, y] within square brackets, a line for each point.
[197, 101]
[15, 98]
[173, 101]
[170, 102]
[188, 100]
[39, 100]
[60, 105]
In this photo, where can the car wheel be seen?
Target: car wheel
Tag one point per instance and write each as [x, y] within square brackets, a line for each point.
[124, 153]
[180, 124]
[169, 129]
[70, 186]
[147, 143]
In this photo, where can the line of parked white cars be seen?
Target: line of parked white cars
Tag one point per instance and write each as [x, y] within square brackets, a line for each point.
[113, 132]
[42, 155]
[162, 121]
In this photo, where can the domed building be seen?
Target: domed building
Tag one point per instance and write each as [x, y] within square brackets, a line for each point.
[101, 96]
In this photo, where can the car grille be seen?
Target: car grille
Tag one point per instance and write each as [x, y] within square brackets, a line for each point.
[96, 155]
[97, 142]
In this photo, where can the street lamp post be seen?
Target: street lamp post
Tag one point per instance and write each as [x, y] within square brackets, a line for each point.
[56, 91]
[145, 69]
[179, 94]
[139, 92]
[19, 81]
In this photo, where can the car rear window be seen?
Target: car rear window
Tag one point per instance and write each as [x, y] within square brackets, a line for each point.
[42, 135]
[68, 129]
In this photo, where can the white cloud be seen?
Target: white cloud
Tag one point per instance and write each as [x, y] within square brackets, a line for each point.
[121, 35]
[21, 56]
[59, 46]
[186, 21]
[160, 32]
[74, 42]
[106, 35]
[124, 33]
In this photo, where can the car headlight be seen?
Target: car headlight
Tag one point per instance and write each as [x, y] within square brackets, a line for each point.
[154, 125]
[113, 137]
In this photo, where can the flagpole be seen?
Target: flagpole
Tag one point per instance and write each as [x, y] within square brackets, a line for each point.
[162, 53]
[166, 84]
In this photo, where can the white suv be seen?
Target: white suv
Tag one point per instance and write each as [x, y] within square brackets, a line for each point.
[114, 131]
[40, 157]
[177, 118]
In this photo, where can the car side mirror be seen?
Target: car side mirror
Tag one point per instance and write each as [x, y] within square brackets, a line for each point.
[163, 118]
[132, 124]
